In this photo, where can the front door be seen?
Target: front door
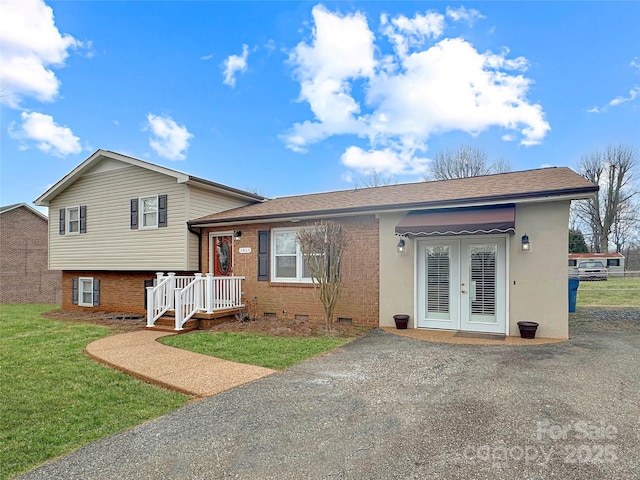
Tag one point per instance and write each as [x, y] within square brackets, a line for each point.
[222, 255]
[462, 284]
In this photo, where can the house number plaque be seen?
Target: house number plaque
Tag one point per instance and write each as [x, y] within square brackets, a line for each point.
[244, 250]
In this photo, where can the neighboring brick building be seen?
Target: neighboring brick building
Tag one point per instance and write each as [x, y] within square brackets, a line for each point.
[24, 273]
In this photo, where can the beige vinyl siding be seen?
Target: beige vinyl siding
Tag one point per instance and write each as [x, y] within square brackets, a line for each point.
[109, 243]
[200, 203]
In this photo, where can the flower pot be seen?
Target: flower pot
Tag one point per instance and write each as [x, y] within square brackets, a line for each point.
[528, 329]
[402, 321]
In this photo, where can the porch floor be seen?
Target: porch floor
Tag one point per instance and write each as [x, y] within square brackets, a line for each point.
[450, 336]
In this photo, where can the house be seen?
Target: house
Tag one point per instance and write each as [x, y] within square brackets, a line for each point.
[24, 276]
[115, 221]
[473, 254]
[613, 261]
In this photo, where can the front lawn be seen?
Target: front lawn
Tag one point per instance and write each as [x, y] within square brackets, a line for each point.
[256, 349]
[616, 291]
[54, 398]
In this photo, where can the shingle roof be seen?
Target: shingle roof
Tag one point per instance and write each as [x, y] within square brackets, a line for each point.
[499, 188]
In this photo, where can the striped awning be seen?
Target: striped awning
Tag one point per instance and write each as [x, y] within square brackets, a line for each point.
[459, 221]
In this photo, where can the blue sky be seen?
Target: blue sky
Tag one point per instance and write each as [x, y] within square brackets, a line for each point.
[286, 98]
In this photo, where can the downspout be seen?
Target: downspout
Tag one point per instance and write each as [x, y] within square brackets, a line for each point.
[199, 234]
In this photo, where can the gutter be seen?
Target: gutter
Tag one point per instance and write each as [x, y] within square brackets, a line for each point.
[199, 234]
[395, 207]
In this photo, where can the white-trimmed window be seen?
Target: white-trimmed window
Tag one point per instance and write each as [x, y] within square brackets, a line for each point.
[149, 212]
[86, 292]
[287, 262]
[73, 220]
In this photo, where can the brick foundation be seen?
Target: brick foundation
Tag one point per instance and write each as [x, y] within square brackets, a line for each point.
[119, 291]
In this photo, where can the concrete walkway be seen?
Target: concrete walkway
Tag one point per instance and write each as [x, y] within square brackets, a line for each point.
[140, 354]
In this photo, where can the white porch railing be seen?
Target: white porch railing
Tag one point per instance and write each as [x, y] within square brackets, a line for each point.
[188, 295]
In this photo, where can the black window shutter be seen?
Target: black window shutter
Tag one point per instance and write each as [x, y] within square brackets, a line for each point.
[263, 255]
[134, 213]
[61, 222]
[162, 210]
[83, 219]
[74, 291]
[96, 292]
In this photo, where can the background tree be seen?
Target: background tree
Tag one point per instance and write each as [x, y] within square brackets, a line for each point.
[322, 247]
[613, 170]
[374, 179]
[464, 162]
[577, 243]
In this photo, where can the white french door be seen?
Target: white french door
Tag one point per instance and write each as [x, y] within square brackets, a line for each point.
[462, 284]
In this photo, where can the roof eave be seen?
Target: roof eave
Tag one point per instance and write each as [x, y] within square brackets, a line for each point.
[568, 194]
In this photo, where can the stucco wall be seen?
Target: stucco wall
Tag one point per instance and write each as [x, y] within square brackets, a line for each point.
[397, 278]
[537, 280]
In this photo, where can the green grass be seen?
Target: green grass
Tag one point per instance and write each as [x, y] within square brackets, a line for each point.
[54, 398]
[616, 291]
[263, 350]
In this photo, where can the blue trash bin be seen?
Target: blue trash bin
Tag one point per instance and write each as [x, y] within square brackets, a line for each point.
[574, 282]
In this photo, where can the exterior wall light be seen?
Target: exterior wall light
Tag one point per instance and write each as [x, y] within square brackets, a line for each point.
[400, 247]
[526, 244]
[237, 235]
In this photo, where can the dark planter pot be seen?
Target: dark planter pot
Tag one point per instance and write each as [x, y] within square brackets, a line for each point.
[402, 321]
[528, 329]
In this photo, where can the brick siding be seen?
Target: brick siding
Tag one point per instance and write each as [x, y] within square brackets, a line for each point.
[119, 291]
[359, 297]
[24, 273]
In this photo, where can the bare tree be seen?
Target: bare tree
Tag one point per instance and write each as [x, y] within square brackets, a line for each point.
[374, 179]
[613, 171]
[322, 247]
[464, 162]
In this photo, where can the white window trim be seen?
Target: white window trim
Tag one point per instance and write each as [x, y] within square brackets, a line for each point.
[299, 258]
[141, 212]
[67, 220]
[81, 291]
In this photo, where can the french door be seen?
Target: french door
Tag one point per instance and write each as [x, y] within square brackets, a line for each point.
[462, 284]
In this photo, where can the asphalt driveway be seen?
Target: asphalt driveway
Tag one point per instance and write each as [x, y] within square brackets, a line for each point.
[390, 407]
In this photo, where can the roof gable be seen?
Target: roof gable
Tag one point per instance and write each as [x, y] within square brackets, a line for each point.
[512, 187]
[104, 160]
[29, 208]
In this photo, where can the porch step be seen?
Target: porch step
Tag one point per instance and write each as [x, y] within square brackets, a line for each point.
[167, 323]
[200, 321]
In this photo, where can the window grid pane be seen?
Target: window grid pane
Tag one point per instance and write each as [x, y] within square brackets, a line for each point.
[74, 220]
[149, 212]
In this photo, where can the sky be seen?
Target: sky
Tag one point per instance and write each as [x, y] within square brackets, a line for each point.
[285, 98]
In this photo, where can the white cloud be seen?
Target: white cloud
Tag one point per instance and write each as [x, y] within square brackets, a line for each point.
[342, 50]
[206, 57]
[405, 33]
[419, 91]
[48, 136]
[594, 110]
[471, 15]
[387, 160]
[169, 140]
[234, 64]
[635, 64]
[633, 94]
[32, 46]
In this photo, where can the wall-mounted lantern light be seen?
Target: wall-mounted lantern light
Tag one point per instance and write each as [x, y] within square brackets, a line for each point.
[237, 235]
[400, 247]
[526, 244]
